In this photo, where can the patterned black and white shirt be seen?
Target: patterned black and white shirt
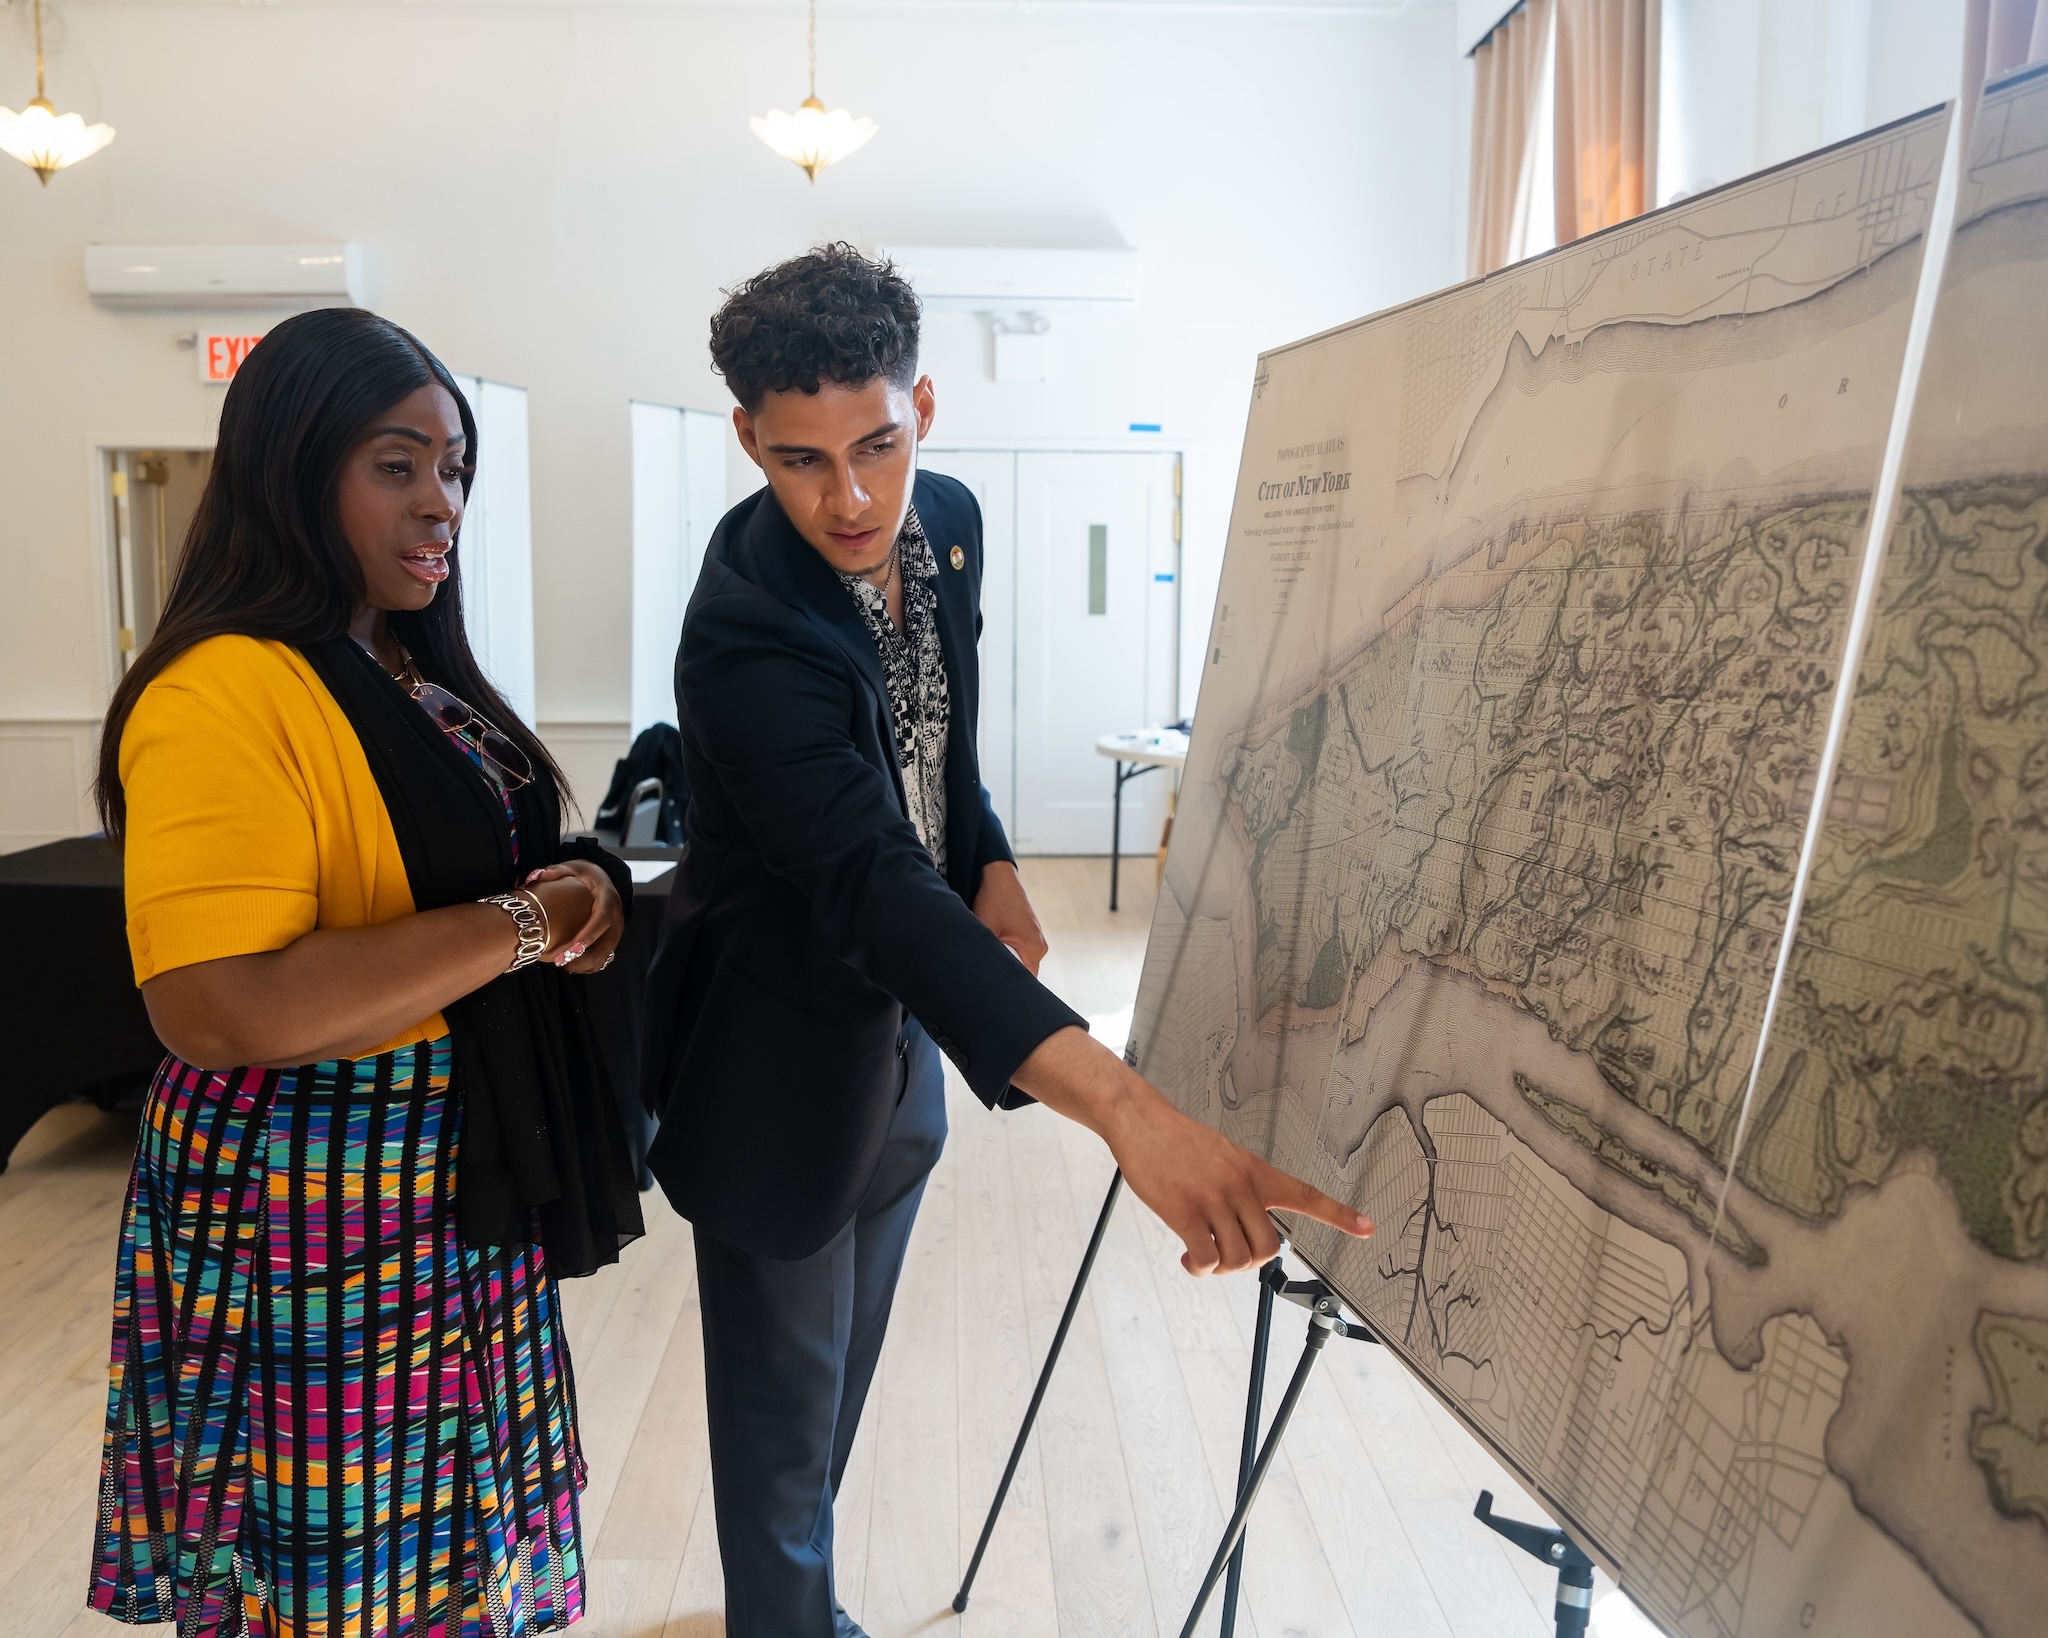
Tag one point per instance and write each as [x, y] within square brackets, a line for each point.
[914, 668]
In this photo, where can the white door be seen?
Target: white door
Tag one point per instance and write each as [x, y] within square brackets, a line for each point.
[1097, 619]
[678, 498]
[497, 543]
[1080, 619]
[992, 475]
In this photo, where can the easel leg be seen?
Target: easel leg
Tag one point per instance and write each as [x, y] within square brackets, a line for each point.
[1116, 834]
[1262, 1335]
[1059, 1339]
[1318, 1336]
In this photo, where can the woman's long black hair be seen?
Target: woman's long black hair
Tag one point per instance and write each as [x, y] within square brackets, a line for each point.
[265, 556]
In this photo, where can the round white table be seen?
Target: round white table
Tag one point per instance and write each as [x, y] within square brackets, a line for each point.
[1135, 753]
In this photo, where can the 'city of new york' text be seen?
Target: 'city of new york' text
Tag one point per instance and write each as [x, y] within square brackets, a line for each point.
[1319, 483]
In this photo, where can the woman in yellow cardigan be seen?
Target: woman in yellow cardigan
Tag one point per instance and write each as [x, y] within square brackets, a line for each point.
[340, 1399]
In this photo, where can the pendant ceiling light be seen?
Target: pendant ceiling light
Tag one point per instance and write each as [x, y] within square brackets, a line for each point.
[811, 138]
[43, 139]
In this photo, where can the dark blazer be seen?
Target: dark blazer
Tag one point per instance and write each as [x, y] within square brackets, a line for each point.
[807, 922]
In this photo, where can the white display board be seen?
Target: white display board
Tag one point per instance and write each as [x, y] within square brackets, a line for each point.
[1680, 1018]
[678, 498]
[496, 550]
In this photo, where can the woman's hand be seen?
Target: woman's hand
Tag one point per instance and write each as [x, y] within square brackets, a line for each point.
[576, 893]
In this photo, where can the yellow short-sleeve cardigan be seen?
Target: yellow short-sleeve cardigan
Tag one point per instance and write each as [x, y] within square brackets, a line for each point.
[253, 816]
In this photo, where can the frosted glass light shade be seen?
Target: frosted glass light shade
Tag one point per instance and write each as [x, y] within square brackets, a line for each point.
[47, 141]
[812, 138]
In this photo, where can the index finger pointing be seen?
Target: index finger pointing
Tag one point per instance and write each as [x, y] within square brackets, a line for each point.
[1285, 1193]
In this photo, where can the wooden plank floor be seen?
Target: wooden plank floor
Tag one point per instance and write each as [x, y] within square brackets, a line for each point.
[1364, 1527]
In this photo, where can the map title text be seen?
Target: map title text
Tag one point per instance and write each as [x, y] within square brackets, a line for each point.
[1309, 483]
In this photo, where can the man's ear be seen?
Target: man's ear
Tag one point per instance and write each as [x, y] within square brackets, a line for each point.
[743, 426]
[925, 402]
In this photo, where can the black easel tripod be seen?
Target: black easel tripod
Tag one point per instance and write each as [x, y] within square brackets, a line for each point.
[1574, 1607]
[1253, 1462]
[1552, 1546]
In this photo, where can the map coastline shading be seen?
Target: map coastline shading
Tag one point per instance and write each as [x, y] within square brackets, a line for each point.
[1533, 619]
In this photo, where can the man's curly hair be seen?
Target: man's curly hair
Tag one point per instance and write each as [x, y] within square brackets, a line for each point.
[830, 314]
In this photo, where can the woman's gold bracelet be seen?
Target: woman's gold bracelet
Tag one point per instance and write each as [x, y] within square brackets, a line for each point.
[530, 917]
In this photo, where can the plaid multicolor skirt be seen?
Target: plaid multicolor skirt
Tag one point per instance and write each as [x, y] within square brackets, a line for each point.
[328, 1418]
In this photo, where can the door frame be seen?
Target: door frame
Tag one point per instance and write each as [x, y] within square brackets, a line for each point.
[100, 449]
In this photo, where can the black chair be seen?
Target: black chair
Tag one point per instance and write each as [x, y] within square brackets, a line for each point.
[644, 806]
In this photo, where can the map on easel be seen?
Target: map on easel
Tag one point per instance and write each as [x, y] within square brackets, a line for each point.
[1533, 614]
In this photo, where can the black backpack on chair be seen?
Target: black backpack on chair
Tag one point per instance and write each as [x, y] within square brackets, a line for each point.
[656, 759]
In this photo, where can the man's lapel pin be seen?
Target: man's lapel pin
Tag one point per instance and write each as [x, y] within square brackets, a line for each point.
[959, 558]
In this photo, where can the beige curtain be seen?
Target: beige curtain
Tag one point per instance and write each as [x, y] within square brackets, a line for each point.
[1606, 113]
[1998, 36]
[2016, 33]
[1507, 100]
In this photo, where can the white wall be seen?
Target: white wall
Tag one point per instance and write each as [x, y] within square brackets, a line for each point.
[552, 194]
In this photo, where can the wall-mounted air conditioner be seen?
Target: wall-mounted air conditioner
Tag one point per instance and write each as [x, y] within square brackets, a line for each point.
[237, 276]
[1016, 279]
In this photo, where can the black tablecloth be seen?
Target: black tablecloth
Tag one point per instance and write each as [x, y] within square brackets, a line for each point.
[73, 1023]
[70, 1016]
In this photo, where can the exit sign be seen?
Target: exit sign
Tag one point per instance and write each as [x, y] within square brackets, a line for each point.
[221, 355]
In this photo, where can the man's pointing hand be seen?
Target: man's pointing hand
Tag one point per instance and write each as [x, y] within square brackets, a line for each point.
[1210, 1191]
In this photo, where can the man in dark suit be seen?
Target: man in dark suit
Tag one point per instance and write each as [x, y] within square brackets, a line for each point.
[848, 909]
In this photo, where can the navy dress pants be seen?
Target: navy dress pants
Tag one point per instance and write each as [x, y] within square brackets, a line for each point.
[789, 1350]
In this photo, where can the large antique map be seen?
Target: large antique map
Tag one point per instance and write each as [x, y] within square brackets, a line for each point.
[1523, 678]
